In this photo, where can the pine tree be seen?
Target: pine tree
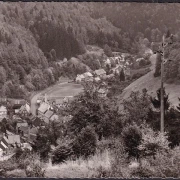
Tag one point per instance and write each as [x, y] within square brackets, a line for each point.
[157, 102]
[122, 75]
[158, 65]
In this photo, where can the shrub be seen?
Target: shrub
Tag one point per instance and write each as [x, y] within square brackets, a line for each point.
[166, 164]
[8, 165]
[85, 143]
[61, 153]
[152, 142]
[132, 138]
[33, 166]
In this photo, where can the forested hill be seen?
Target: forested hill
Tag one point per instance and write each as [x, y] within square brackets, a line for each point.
[35, 36]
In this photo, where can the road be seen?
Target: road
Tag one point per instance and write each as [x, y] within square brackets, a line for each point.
[61, 89]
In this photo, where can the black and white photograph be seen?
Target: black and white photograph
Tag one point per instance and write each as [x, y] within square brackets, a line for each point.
[89, 90]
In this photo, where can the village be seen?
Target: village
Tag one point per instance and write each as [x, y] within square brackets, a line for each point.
[26, 125]
[23, 124]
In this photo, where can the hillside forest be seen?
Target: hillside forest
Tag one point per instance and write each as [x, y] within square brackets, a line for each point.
[36, 37]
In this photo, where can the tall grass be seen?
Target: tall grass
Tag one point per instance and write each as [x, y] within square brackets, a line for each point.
[80, 168]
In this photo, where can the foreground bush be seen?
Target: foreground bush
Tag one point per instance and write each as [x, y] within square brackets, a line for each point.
[61, 153]
[33, 166]
[94, 166]
[152, 142]
[132, 138]
[85, 143]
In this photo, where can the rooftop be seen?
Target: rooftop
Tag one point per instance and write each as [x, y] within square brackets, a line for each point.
[49, 113]
[88, 74]
[12, 139]
[3, 108]
[43, 107]
[100, 72]
[20, 124]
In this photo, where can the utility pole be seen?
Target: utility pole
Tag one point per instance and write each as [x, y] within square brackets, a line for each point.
[164, 44]
[162, 87]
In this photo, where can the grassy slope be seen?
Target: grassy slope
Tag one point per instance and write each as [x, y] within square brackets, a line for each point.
[152, 84]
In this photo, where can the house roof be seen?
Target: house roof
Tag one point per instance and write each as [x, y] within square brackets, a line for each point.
[17, 101]
[100, 72]
[49, 113]
[87, 74]
[81, 76]
[12, 139]
[3, 108]
[3, 146]
[97, 79]
[33, 130]
[54, 117]
[24, 124]
[43, 107]
[25, 107]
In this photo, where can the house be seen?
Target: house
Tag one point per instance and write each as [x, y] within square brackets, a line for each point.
[42, 109]
[54, 117]
[21, 124]
[3, 112]
[32, 135]
[11, 140]
[3, 147]
[47, 116]
[88, 76]
[108, 62]
[100, 73]
[25, 110]
[26, 146]
[80, 78]
[16, 104]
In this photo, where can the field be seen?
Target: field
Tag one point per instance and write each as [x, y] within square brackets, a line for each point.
[62, 90]
[59, 90]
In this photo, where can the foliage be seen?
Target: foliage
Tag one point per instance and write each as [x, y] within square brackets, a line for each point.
[152, 142]
[89, 109]
[157, 102]
[158, 65]
[85, 143]
[107, 50]
[61, 153]
[132, 136]
[122, 75]
[137, 107]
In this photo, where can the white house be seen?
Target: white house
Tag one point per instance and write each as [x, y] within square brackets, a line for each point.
[88, 76]
[80, 78]
[3, 112]
[100, 73]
